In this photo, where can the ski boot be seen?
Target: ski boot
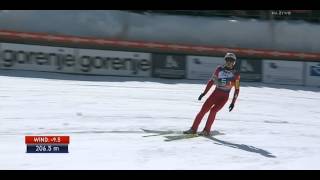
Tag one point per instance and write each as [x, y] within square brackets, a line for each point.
[205, 133]
[190, 131]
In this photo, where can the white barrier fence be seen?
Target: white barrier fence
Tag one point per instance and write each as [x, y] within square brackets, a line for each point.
[123, 63]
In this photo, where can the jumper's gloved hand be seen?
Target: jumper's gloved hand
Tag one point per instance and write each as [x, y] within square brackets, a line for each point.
[200, 97]
[231, 107]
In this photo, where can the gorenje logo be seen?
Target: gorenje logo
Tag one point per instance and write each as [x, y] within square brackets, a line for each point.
[129, 63]
[11, 57]
[115, 63]
[171, 63]
[315, 70]
[245, 66]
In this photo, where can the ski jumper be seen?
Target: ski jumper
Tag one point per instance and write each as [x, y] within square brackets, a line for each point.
[224, 80]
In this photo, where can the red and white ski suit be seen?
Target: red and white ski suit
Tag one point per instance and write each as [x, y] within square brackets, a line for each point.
[224, 80]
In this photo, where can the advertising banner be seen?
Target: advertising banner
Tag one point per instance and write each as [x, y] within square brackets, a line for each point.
[312, 74]
[37, 58]
[250, 69]
[169, 66]
[70, 60]
[119, 63]
[202, 67]
[283, 72]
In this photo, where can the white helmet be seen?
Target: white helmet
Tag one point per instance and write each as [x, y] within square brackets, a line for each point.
[230, 55]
